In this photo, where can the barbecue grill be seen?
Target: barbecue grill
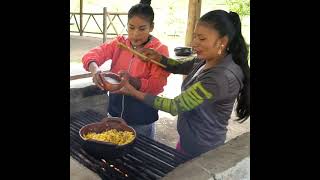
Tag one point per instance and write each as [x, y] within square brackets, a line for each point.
[147, 159]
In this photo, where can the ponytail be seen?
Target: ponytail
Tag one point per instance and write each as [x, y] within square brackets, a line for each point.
[239, 50]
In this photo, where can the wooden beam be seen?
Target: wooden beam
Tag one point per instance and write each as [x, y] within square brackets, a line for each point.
[104, 25]
[81, 15]
[78, 13]
[111, 22]
[117, 13]
[194, 12]
[193, 16]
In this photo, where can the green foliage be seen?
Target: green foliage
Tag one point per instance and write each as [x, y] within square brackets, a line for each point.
[242, 7]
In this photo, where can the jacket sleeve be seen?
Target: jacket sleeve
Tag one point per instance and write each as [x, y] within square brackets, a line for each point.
[178, 67]
[158, 76]
[100, 54]
[200, 92]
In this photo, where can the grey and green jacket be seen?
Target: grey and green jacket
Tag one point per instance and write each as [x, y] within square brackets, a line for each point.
[205, 103]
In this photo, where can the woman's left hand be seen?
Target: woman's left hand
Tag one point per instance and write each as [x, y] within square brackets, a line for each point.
[127, 88]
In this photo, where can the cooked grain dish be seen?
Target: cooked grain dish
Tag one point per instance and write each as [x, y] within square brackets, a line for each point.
[112, 136]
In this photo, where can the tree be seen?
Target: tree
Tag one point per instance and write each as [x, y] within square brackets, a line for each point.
[242, 7]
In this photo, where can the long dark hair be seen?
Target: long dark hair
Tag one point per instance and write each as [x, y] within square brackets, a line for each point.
[229, 24]
[143, 10]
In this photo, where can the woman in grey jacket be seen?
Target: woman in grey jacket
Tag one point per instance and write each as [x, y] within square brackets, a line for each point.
[215, 79]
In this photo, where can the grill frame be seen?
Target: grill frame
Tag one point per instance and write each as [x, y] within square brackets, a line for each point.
[147, 159]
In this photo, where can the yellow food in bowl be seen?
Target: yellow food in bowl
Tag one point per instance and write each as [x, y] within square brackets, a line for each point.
[112, 136]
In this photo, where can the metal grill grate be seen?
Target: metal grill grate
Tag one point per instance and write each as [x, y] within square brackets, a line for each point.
[147, 159]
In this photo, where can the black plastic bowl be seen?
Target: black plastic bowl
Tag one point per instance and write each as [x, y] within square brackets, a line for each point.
[106, 150]
[183, 51]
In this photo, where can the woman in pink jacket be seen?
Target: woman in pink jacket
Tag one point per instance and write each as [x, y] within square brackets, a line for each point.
[144, 76]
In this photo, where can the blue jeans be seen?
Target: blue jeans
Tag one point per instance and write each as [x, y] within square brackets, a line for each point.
[146, 130]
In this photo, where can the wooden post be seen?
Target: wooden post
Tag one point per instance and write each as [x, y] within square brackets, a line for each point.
[193, 16]
[104, 24]
[81, 13]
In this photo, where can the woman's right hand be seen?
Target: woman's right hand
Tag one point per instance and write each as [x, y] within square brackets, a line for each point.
[94, 69]
[97, 79]
[151, 54]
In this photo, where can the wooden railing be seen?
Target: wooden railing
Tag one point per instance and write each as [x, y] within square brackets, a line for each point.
[108, 21]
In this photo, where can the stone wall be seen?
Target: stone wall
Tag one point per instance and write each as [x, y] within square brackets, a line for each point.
[228, 162]
[88, 97]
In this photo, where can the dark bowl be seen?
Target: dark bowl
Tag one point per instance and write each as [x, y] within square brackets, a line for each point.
[100, 149]
[183, 51]
[111, 81]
